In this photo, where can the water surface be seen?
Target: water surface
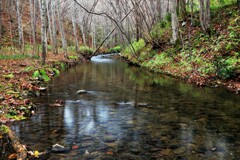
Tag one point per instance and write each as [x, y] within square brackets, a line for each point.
[129, 113]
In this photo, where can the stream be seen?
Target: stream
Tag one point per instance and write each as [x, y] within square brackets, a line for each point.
[130, 113]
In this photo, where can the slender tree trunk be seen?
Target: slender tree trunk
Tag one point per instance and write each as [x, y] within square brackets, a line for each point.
[83, 34]
[49, 21]
[238, 1]
[33, 24]
[10, 23]
[174, 21]
[182, 9]
[74, 26]
[54, 32]
[0, 22]
[94, 36]
[205, 15]
[159, 10]
[43, 30]
[62, 32]
[20, 28]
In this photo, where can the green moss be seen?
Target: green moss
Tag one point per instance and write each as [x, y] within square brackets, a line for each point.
[137, 46]
[116, 49]
[85, 50]
[3, 129]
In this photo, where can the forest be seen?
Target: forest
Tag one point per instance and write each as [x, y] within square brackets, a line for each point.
[196, 41]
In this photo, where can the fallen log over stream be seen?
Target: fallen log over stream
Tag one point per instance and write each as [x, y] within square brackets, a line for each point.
[17, 146]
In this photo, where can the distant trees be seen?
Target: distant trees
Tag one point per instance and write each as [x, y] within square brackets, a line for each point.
[62, 32]
[74, 26]
[64, 23]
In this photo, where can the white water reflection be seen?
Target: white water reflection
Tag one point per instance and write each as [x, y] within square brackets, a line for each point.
[102, 59]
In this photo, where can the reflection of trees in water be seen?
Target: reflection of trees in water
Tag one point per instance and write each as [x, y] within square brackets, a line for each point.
[186, 115]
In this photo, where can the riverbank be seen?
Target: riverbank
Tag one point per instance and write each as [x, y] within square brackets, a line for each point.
[22, 78]
[205, 60]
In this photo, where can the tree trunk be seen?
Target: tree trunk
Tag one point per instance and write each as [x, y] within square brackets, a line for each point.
[33, 24]
[62, 32]
[20, 28]
[0, 22]
[94, 36]
[205, 15]
[54, 33]
[74, 26]
[174, 21]
[238, 1]
[182, 9]
[83, 34]
[17, 146]
[43, 30]
[49, 21]
[11, 9]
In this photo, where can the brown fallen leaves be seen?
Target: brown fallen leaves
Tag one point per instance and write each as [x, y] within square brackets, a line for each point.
[16, 82]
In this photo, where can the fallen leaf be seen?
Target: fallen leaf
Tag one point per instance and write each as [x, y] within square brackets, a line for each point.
[36, 153]
[75, 147]
[109, 153]
[12, 156]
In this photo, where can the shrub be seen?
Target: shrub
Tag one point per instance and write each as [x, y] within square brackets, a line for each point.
[160, 33]
[228, 67]
[116, 49]
[85, 50]
[137, 46]
[17, 56]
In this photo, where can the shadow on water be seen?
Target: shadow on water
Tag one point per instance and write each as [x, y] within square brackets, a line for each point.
[129, 113]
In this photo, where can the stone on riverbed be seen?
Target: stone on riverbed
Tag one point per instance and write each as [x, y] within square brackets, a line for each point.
[81, 92]
[109, 138]
[166, 152]
[42, 89]
[179, 150]
[58, 148]
[142, 104]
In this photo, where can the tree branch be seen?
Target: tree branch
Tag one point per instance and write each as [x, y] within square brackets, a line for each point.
[117, 26]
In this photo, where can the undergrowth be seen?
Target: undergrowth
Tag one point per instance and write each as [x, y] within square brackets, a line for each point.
[200, 57]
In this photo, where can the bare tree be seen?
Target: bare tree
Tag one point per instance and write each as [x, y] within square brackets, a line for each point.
[62, 32]
[0, 21]
[182, 8]
[49, 12]
[43, 30]
[20, 28]
[174, 21]
[33, 24]
[205, 15]
[74, 26]
[54, 32]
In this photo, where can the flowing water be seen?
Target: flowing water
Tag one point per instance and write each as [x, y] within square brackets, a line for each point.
[129, 113]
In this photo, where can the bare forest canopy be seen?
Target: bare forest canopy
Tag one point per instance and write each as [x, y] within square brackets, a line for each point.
[44, 25]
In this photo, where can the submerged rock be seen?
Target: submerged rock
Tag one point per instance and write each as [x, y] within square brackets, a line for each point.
[179, 150]
[166, 152]
[109, 138]
[81, 92]
[123, 103]
[42, 89]
[142, 104]
[58, 148]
